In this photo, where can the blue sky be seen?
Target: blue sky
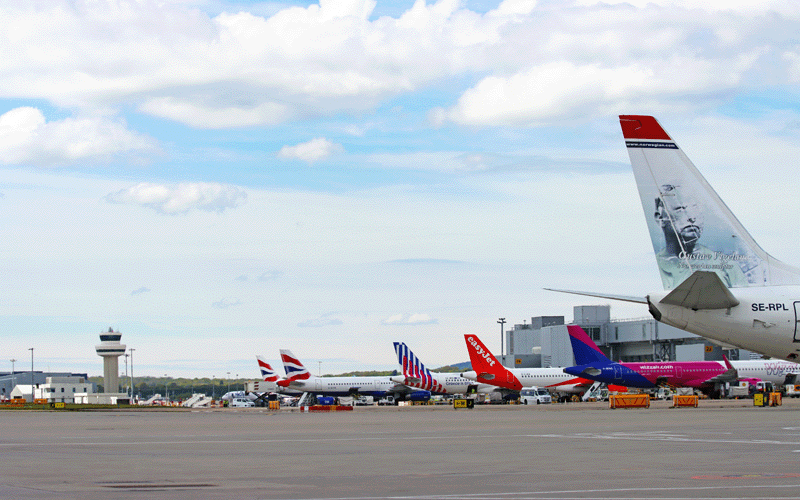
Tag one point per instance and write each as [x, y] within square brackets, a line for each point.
[218, 180]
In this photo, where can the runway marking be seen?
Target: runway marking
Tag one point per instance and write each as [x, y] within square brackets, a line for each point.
[579, 494]
[645, 436]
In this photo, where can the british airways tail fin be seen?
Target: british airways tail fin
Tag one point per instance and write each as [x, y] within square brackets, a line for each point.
[293, 367]
[414, 371]
[267, 373]
[584, 348]
[690, 226]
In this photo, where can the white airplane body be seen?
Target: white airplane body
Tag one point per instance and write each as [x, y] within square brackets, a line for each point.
[298, 378]
[487, 369]
[718, 282]
[769, 370]
[765, 320]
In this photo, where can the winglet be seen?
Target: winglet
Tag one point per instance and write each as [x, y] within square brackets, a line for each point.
[489, 370]
[727, 363]
[584, 348]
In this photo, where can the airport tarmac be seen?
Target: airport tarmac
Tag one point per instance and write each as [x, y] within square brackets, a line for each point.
[727, 449]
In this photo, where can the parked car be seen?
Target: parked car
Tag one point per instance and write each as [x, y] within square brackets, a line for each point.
[241, 403]
[535, 395]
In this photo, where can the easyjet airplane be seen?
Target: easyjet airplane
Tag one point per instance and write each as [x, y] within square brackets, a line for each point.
[488, 370]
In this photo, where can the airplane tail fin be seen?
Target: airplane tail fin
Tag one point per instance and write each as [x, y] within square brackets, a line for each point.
[690, 226]
[268, 374]
[487, 367]
[293, 367]
[414, 371]
[584, 348]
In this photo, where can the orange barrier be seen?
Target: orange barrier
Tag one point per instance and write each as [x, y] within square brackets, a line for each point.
[274, 405]
[681, 401]
[316, 408]
[775, 399]
[629, 401]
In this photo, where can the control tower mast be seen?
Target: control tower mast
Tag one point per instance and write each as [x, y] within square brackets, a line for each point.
[110, 350]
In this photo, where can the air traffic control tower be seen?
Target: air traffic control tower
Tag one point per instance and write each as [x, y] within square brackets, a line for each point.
[110, 349]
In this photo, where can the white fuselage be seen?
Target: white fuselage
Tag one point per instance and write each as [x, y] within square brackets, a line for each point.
[344, 386]
[553, 379]
[769, 370]
[448, 383]
[765, 321]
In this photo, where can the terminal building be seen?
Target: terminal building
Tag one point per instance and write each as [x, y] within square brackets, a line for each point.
[53, 386]
[545, 342]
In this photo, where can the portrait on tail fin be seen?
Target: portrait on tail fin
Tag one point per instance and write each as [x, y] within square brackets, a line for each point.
[691, 228]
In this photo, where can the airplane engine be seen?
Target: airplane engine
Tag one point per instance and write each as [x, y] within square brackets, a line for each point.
[419, 396]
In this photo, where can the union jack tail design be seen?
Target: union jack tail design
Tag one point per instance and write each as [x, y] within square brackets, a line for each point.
[414, 371]
[293, 367]
[267, 372]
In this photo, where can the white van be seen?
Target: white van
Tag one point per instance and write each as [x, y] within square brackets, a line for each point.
[535, 395]
[241, 403]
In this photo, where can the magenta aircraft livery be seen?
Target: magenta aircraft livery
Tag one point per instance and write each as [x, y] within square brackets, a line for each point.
[703, 375]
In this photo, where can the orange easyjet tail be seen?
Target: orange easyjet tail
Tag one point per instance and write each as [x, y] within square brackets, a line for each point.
[486, 366]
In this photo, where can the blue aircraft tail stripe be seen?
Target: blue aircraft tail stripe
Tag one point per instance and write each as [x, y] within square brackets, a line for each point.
[584, 349]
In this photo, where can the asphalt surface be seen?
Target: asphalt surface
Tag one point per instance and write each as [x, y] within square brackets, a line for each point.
[581, 450]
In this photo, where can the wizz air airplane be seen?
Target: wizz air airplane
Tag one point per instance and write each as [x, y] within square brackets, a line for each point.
[416, 375]
[488, 370]
[299, 379]
[718, 283]
[704, 375]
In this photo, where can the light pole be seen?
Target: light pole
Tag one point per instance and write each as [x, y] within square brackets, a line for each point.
[502, 322]
[126, 369]
[213, 381]
[13, 378]
[229, 381]
[131, 349]
[166, 391]
[31, 349]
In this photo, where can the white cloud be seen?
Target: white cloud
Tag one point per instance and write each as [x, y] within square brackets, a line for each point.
[409, 319]
[312, 151]
[226, 303]
[322, 321]
[559, 90]
[27, 138]
[180, 198]
[241, 69]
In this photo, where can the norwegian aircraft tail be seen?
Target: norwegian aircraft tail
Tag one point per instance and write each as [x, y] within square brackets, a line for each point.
[690, 226]
[583, 348]
[487, 367]
[293, 367]
[414, 371]
[267, 372]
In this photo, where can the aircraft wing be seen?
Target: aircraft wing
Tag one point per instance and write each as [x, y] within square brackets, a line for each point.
[730, 375]
[701, 290]
[624, 298]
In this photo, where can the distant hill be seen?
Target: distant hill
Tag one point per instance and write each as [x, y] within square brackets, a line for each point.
[456, 368]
